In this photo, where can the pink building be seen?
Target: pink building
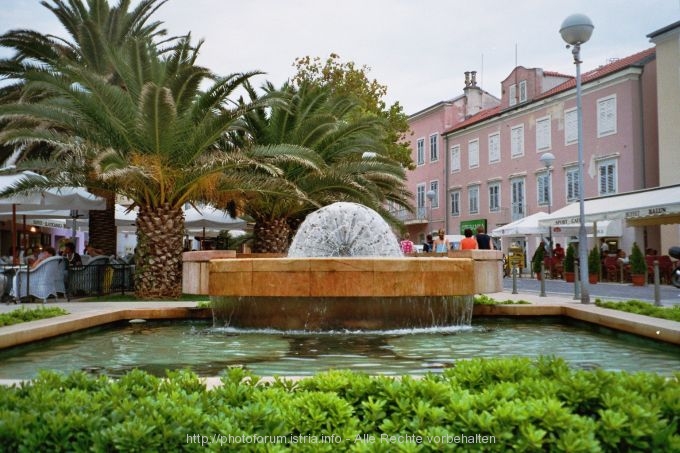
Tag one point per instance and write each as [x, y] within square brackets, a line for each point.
[486, 168]
[428, 182]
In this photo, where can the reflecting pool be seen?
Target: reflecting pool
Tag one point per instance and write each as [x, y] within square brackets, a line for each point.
[157, 346]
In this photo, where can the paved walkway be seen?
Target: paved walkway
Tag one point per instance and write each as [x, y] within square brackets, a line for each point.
[668, 295]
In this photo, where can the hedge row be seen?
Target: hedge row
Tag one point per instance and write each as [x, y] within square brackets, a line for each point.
[479, 405]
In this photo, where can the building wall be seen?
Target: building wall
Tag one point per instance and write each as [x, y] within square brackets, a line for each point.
[547, 106]
[429, 122]
[667, 43]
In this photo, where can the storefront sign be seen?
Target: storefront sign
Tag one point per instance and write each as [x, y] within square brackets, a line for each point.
[472, 224]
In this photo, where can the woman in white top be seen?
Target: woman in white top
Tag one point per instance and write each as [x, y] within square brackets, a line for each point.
[441, 244]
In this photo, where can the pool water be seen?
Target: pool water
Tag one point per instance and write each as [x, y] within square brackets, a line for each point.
[157, 346]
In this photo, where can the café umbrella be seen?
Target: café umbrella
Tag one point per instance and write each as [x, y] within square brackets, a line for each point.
[70, 198]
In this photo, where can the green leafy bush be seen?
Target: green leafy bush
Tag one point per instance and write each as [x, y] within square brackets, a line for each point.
[499, 405]
[25, 314]
[483, 299]
[594, 261]
[643, 308]
[537, 259]
[569, 259]
[637, 262]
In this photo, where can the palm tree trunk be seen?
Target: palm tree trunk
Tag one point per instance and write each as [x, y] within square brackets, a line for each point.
[271, 236]
[102, 224]
[158, 259]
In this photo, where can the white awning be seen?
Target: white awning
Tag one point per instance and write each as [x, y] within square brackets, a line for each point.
[605, 228]
[525, 226]
[645, 207]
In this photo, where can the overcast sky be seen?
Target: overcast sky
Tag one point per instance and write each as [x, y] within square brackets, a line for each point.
[419, 49]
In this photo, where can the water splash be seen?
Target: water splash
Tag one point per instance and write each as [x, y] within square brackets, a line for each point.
[344, 229]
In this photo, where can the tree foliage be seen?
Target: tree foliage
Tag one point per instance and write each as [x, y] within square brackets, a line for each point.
[347, 79]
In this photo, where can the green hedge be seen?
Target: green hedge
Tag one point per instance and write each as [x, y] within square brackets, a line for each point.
[495, 405]
[24, 315]
[643, 308]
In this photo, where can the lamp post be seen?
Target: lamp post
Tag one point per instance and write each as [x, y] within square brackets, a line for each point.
[576, 30]
[430, 196]
[547, 160]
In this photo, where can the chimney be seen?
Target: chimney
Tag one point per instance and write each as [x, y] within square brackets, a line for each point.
[473, 94]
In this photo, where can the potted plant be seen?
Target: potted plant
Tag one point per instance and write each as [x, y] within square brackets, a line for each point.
[594, 265]
[569, 263]
[638, 266]
[537, 260]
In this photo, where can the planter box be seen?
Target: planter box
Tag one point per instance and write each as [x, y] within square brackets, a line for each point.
[638, 279]
[569, 277]
[593, 278]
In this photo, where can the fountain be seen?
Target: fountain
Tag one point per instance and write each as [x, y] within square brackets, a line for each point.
[344, 271]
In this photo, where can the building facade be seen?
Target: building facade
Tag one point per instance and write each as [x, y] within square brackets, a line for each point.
[667, 41]
[428, 182]
[489, 169]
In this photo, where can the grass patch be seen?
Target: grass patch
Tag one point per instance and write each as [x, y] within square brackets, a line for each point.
[131, 298]
[27, 314]
[483, 299]
[643, 308]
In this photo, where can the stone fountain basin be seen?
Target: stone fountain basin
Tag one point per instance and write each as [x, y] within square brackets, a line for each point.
[344, 293]
[464, 272]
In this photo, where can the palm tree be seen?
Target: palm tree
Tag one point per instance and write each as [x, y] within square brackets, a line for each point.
[93, 27]
[153, 141]
[335, 139]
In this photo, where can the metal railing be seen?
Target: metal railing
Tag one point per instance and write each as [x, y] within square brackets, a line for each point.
[100, 279]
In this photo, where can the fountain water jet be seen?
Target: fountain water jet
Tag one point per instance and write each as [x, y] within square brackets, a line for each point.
[349, 287]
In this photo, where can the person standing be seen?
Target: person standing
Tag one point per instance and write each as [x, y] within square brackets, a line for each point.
[428, 244]
[468, 242]
[441, 244]
[484, 241]
[406, 244]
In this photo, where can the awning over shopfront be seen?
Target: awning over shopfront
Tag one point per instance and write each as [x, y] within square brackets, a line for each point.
[644, 207]
[525, 226]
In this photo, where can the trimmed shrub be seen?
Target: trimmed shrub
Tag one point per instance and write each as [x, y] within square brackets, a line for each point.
[481, 405]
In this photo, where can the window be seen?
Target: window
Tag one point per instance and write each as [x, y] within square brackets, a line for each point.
[543, 188]
[473, 153]
[607, 176]
[494, 197]
[473, 199]
[513, 94]
[517, 198]
[523, 91]
[420, 146]
[570, 127]
[517, 141]
[434, 187]
[455, 158]
[606, 116]
[434, 148]
[572, 184]
[420, 196]
[455, 203]
[494, 147]
[543, 139]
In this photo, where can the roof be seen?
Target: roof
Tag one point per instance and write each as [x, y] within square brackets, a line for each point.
[602, 71]
[663, 30]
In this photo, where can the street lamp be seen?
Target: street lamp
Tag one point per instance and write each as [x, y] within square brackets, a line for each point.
[576, 30]
[547, 160]
[430, 196]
